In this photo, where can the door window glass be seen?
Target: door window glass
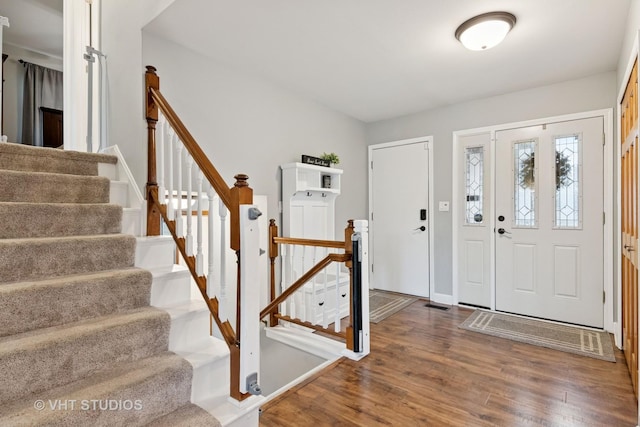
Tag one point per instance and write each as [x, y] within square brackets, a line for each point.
[525, 180]
[568, 194]
[474, 185]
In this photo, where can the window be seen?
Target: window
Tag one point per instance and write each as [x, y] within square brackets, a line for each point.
[568, 194]
[474, 184]
[525, 183]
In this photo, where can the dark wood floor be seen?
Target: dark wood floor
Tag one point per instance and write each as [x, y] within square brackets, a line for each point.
[425, 371]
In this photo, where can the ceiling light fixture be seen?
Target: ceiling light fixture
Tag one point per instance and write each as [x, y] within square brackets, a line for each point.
[485, 31]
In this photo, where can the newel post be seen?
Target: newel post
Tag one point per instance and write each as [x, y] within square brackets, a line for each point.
[240, 194]
[348, 249]
[273, 254]
[152, 81]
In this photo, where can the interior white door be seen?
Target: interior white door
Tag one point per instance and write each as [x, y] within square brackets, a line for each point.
[399, 226]
[474, 213]
[549, 221]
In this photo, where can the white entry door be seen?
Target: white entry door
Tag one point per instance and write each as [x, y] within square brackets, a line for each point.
[400, 218]
[549, 221]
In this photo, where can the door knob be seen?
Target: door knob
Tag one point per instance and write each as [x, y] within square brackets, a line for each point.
[421, 228]
[503, 231]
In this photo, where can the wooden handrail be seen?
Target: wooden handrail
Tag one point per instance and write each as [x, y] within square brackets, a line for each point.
[199, 157]
[304, 279]
[309, 242]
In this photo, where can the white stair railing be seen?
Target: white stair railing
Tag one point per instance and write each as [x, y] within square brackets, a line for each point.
[189, 197]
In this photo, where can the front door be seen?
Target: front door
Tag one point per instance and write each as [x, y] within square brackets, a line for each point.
[549, 221]
[400, 218]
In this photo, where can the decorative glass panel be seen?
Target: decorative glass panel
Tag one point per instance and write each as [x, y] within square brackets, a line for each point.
[568, 188]
[526, 172]
[474, 185]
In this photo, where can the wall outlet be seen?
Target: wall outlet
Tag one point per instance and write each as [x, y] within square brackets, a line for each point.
[443, 206]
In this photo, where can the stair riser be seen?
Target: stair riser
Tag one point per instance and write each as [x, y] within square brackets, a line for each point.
[152, 397]
[171, 288]
[119, 193]
[132, 221]
[22, 260]
[29, 306]
[25, 220]
[209, 380]
[31, 367]
[155, 252]
[189, 329]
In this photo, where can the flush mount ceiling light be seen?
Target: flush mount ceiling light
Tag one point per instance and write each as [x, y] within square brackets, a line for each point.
[485, 31]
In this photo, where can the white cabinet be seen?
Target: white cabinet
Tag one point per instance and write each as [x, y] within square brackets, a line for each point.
[309, 193]
[308, 200]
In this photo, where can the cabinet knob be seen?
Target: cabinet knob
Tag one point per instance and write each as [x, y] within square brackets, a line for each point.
[321, 303]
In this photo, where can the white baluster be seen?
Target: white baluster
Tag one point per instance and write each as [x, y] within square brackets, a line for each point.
[337, 325]
[292, 305]
[161, 136]
[325, 317]
[199, 256]
[178, 212]
[211, 289]
[189, 238]
[314, 288]
[283, 279]
[172, 137]
[301, 292]
[222, 213]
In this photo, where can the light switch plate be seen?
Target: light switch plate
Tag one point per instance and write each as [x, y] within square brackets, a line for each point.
[443, 206]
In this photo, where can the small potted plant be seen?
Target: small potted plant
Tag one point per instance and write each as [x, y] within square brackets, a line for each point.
[331, 158]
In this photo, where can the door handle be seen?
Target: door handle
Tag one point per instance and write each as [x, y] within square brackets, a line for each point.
[503, 231]
[421, 228]
[629, 248]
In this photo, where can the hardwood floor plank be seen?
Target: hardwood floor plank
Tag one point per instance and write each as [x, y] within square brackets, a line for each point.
[425, 371]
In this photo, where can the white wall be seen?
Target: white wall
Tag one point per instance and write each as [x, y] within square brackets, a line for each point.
[250, 126]
[631, 32]
[13, 75]
[122, 23]
[591, 93]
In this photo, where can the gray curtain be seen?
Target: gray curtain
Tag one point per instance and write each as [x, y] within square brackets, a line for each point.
[42, 88]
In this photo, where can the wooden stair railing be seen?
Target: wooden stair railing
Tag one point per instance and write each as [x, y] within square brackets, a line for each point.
[272, 309]
[232, 197]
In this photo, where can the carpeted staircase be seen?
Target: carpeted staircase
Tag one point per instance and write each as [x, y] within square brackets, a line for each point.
[79, 343]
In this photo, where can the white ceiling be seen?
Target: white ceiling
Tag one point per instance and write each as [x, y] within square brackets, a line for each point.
[377, 59]
[34, 24]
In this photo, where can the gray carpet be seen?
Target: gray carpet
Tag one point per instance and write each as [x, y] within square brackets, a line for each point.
[383, 304]
[75, 320]
[570, 339]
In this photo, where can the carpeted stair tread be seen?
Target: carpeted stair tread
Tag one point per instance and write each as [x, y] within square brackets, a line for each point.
[40, 187]
[40, 159]
[50, 357]
[25, 306]
[33, 259]
[188, 415]
[23, 219]
[157, 385]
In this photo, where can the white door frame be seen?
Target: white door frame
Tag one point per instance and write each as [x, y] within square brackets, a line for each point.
[428, 140]
[608, 171]
[76, 21]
